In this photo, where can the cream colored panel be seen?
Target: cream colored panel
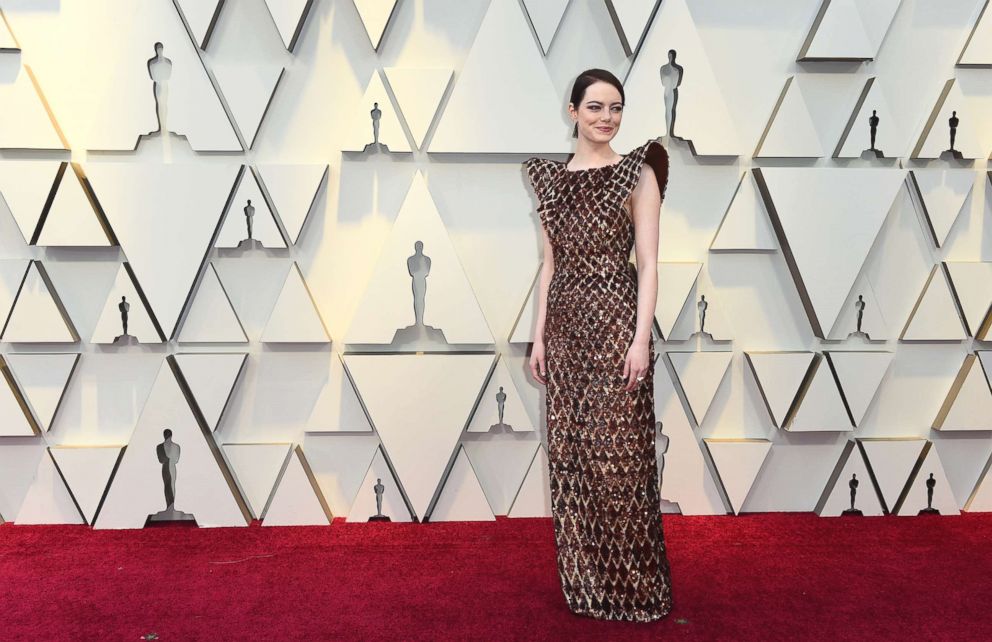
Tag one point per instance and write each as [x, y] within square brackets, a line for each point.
[534, 497]
[16, 419]
[139, 321]
[48, 501]
[248, 90]
[393, 505]
[890, 134]
[702, 115]
[790, 131]
[502, 463]
[700, 375]
[977, 51]
[360, 132]
[928, 488]
[545, 16]
[935, 316]
[504, 66]
[827, 220]
[70, 220]
[849, 30]
[418, 244]
[420, 444]
[26, 123]
[943, 193]
[294, 318]
[256, 468]
[37, 315]
[523, 328]
[837, 34]
[631, 19]
[18, 464]
[419, 92]
[25, 187]
[12, 272]
[935, 138]
[104, 94]
[972, 283]
[204, 486]
[677, 280]
[859, 373]
[968, 404]
[87, 470]
[338, 408]
[297, 500]
[745, 226]
[863, 302]
[375, 16]
[980, 499]
[164, 217]
[293, 190]
[201, 17]
[462, 498]
[821, 407]
[340, 464]
[211, 379]
[43, 379]
[501, 407]
[211, 319]
[738, 462]
[850, 478]
[289, 16]
[891, 461]
[779, 375]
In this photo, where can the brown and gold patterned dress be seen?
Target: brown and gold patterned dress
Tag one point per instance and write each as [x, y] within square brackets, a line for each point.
[605, 498]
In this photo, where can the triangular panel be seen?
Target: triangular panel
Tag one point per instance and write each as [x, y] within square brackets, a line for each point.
[293, 190]
[204, 487]
[826, 220]
[738, 462]
[533, 499]
[297, 499]
[211, 379]
[43, 379]
[294, 318]
[211, 318]
[256, 468]
[462, 498]
[420, 444]
[505, 65]
[38, 315]
[165, 218]
[700, 374]
[87, 471]
[48, 501]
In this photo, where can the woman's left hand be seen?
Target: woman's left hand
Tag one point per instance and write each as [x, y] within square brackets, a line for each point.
[636, 364]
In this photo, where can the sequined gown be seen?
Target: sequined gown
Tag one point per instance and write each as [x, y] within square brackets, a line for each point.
[606, 504]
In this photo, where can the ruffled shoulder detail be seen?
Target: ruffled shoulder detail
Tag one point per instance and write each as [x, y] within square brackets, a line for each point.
[540, 171]
[629, 171]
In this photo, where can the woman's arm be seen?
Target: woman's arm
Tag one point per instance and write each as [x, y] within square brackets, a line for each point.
[646, 212]
[547, 272]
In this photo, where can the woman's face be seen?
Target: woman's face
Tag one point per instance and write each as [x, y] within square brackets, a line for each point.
[598, 115]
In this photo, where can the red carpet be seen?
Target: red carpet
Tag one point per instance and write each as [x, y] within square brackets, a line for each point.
[771, 576]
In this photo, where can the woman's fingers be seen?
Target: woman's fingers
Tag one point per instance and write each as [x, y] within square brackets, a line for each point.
[537, 369]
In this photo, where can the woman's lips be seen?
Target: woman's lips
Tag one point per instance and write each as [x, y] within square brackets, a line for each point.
[605, 129]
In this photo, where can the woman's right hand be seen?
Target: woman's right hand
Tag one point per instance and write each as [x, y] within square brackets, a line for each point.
[537, 364]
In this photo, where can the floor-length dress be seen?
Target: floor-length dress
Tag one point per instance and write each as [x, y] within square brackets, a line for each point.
[605, 499]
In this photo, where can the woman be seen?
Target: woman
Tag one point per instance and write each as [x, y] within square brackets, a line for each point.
[593, 351]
